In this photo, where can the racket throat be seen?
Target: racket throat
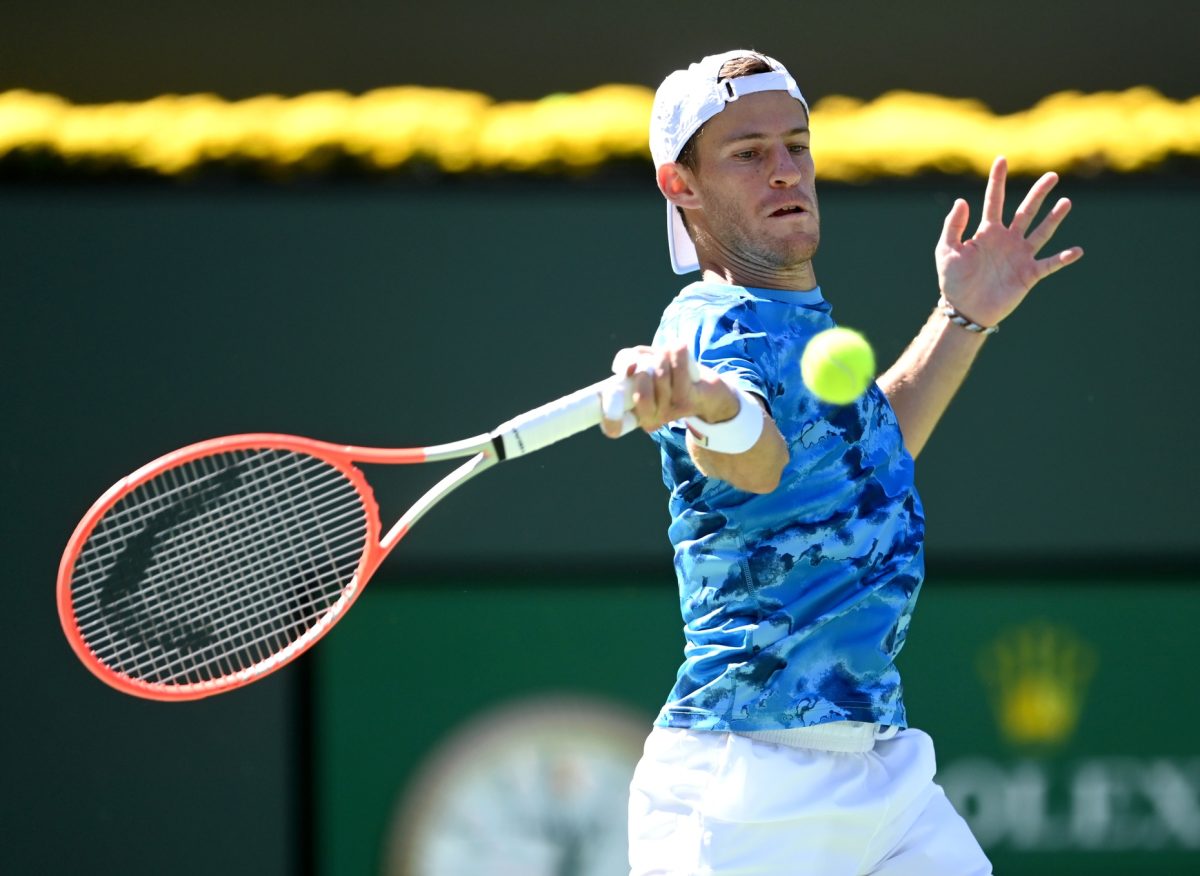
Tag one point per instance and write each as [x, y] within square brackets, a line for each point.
[469, 469]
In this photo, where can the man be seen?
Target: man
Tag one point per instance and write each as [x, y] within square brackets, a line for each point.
[784, 748]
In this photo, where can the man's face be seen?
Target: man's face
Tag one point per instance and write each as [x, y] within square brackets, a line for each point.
[755, 180]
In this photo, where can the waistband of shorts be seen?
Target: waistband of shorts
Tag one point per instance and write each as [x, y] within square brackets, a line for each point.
[837, 736]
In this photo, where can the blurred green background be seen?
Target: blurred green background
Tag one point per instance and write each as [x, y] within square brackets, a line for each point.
[1038, 710]
[1049, 652]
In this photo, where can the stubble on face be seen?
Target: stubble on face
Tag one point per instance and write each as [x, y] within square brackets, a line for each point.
[758, 221]
[724, 232]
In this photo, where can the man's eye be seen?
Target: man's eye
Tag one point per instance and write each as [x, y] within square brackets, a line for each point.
[798, 147]
[749, 153]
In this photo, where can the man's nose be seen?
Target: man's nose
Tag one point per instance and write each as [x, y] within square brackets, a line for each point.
[785, 171]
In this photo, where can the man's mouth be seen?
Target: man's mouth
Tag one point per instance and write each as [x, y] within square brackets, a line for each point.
[791, 210]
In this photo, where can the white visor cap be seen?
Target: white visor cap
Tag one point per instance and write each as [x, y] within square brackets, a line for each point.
[685, 101]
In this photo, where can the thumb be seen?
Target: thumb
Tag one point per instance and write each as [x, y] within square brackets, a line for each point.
[955, 225]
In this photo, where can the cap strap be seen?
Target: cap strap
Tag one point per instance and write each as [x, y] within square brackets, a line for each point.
[738, 86]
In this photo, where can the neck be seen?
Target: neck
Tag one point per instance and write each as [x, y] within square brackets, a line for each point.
[795, 278]
[743, 266]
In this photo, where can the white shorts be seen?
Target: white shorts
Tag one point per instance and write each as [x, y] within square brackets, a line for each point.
[704, 803]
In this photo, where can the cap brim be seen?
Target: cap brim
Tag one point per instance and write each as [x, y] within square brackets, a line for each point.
[683, 252]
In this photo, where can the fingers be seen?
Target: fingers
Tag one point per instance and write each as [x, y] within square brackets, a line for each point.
[616, 422]
[993, 196]
[626, 360]
[661, 387]
[955, 225]
[652, 395]
[1029, 208]
[1041, 235]
[659, 383]
[681, 377]
[1057, 262]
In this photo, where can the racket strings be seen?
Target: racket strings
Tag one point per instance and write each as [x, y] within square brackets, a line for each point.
[219, 566]
[232, 604]
[210, 548]
[175, 624]
[243, 607]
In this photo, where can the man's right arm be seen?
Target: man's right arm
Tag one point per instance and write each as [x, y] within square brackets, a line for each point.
[664, 391]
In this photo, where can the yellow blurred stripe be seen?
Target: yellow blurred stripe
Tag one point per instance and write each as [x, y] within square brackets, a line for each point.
[898, 134]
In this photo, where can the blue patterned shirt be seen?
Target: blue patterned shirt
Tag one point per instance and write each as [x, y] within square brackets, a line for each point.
[795, 603]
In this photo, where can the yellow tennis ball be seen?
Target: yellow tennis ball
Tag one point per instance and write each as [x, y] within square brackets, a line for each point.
[838, 365]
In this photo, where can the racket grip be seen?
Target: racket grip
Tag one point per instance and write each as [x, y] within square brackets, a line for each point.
[558, 419]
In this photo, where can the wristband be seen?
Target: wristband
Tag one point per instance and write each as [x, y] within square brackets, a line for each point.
[957, 318]
[736, 435]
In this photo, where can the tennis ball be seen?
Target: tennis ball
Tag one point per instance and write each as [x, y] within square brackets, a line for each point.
[838, 365]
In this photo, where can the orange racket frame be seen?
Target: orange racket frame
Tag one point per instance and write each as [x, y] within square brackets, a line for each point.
[524, 434]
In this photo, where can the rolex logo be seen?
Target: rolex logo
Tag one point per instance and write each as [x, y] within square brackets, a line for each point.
[1037, 675]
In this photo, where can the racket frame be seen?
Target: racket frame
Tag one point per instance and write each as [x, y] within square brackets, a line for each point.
[523, 434]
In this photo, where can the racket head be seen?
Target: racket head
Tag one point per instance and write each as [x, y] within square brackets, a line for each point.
[217, 564]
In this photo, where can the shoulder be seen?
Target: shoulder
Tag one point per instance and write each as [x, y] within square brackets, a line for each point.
[711, 312]
[702, 300]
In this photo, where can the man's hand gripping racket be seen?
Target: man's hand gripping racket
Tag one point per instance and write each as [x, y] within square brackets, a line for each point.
[218, 563]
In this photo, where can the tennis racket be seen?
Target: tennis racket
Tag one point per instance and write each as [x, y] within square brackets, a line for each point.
[219, 563]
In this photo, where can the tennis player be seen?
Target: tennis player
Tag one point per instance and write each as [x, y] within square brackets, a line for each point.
[784, 747]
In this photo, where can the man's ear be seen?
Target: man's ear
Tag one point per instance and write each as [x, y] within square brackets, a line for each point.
[676, 183]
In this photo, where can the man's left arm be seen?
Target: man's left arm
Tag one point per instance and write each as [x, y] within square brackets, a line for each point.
[983, 280]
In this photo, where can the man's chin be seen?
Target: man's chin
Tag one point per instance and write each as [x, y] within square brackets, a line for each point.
[798, 252]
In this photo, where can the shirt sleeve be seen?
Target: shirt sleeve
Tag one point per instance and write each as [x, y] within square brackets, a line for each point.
[732, 341]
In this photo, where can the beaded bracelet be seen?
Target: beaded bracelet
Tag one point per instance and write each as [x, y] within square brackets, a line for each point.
[958, 319]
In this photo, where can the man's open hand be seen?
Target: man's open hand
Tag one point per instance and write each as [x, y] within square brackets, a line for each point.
[988, 275]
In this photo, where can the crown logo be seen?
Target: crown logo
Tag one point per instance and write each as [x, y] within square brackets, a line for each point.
[1037, 675]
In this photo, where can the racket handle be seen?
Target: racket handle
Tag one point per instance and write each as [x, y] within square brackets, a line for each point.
[559, 419]
[611, 398]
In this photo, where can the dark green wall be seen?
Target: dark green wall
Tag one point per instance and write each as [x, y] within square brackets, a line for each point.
[1099, 784]
[142, 320]
[136, 319]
